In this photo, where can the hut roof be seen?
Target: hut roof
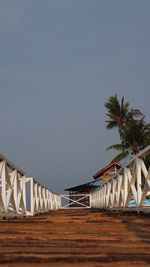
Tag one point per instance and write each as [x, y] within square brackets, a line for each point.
[108, 168]
[83, 187]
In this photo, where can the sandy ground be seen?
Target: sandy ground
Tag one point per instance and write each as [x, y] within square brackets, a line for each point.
[82, 237]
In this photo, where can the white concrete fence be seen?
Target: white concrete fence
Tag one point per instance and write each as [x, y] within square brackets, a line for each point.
[21, 195]
[130, 188]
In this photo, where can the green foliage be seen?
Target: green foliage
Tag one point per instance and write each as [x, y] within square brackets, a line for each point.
[119, 113]
[134, 132]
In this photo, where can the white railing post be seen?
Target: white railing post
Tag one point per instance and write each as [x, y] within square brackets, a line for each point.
[32, 198]
[139, 183]
[4, 176]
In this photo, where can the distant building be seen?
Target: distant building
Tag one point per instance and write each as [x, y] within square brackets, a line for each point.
[108, 172]
[76, 192]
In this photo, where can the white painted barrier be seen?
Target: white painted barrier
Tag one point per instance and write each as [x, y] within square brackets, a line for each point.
[129, 188]
[21, 195]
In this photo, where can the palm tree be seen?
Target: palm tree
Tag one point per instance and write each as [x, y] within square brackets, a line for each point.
[137, 135]
[134, 139]
[134, 133]
[119, 113]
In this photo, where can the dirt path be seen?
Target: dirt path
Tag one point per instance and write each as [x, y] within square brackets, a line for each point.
[76, 238]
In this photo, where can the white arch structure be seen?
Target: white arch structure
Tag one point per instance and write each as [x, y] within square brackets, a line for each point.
[21, 195]
[130, 188]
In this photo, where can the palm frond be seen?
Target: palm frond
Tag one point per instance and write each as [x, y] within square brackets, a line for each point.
[116, 146]
[121, 156]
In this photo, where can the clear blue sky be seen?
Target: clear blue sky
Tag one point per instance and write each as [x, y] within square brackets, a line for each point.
[60, 60]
